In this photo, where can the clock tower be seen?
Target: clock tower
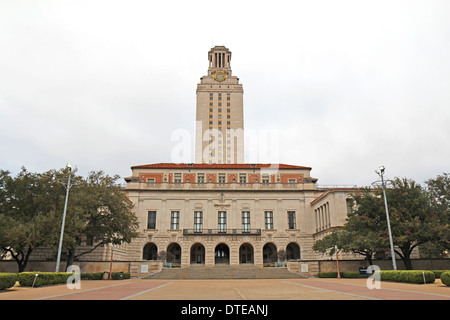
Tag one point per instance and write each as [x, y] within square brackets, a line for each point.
[219, 133]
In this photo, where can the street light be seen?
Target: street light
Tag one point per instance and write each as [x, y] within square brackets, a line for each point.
[382, 168]
[68, 166]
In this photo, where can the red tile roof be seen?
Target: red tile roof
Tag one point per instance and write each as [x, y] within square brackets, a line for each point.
[217, 166]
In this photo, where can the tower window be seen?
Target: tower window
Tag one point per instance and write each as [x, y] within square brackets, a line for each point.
[268, 217]
[291, 219]
[151, 221]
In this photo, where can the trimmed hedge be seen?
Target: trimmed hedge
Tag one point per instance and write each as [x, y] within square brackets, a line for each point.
[333, 274]
[437, 273]
[445, 278]
[26, 279]
[410, 276]
[92, 276]
[7, 280]
[116, 275]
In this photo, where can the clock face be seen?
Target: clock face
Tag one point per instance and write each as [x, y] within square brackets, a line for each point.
[219, 76]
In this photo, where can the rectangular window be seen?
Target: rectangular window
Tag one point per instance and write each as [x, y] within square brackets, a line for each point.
[198, 221]
[291, 219]
[350, 204]
[245, 221]
[222, 221]
[177, 178]
[151, 221]
[221, 177]
[265, 178]
[200, 177]
[242, 178]
[174, 220]
[268, 217]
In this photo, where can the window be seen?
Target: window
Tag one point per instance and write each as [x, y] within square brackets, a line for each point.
[201, 178]
[174, 220]
[151, 180]
[350, 204]
[198, 221]
[242, 178]
[151, 222]
[265, 178]
[222, 221]
[177, 177]
[291, 219]
[268, 217]
[221, 177]
[245, 221]
[292, 181]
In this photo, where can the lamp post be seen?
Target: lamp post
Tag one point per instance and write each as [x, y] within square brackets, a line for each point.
[337, 262]
[58, 259]
[382, 168]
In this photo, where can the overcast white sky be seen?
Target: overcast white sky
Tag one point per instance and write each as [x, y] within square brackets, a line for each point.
[348, 85]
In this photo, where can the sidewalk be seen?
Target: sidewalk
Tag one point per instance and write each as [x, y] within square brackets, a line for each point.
[261, 289]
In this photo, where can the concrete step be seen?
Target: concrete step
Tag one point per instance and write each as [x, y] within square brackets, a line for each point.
[225, 272]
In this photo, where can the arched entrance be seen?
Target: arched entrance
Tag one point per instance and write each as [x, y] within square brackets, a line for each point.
[222, 254]
[246, 254]
[197, 254]
[293, 251]
[150, 252]
[270, 253]
[174, 253]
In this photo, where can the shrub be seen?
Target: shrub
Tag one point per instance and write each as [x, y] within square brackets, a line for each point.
[116, 275]
[445, 278]
[26, 279]
[350, 274]
[92, 276]
[7, 280]
[410, 276]
[333, 274]
[437, 273]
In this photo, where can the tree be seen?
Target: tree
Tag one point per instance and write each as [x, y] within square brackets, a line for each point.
[360, 234]
[414, 221]
[99, 211]
[27, 205]
[438, 190]
[31, 207]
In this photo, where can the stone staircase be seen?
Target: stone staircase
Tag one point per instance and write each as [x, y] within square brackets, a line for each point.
[224, 272]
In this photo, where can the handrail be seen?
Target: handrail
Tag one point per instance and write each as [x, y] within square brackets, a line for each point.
[231, 231]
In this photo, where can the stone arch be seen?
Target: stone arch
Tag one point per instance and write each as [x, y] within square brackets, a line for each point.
[222, 254]
[246, 253]
[150, 252]
[197, 253]
[293, 251]
[174, 253]
[270, 254]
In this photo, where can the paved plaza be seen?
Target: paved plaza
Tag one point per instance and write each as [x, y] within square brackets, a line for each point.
[258, 289]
